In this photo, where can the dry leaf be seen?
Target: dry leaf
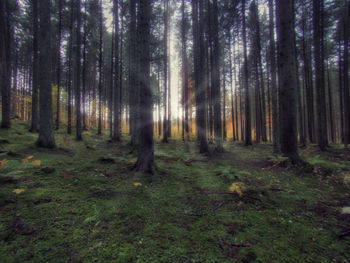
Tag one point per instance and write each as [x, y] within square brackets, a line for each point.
[18, 191]
[3, 163]
[136, 184]
[37, 162]
[30, 157]
[237, 188]
[24, 161]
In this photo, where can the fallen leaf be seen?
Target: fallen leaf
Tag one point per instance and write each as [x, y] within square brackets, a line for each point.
[136, 184]
[3, 163]
[24, 161]
[237, 188]
[345, 210]
[18, 191]
[37, 162]
[30, 157]
[65, 176]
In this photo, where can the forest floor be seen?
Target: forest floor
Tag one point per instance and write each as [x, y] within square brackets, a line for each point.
[81, 202]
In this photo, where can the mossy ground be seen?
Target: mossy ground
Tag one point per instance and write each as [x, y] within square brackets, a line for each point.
[82, 204]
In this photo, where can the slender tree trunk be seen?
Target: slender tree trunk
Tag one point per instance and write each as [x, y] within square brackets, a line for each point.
[319, 74]
[34, 125]
[4, 62]
[299, 93]
[84, 69]
[248, 136]
[100, 61]
[116, 128]
[146, 154]
[69, 86]
[224, 133]
[158, 104]
[341, 93]
[231, 87]
[346, 26]
[287, 79]
[77, 73]
[46, 136]
[165, 64]
[60, 6]
[274, 91]
[184, 66]
[198, 50]
[330, 103]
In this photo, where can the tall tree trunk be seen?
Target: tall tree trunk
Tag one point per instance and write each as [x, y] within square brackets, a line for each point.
[215, 78]
[46, 135]
[248, 136]
[274, 91]
[84, 69]
[146, 154]
[330, 103]
[341, 93]
[60, 6]
[77, 73]
[165, 64]
[184, 66]
[100, 61]
[302, 138]
[111, 87]
[34, 125]
[346, 29]
[4, 64]
[287, 80]
[116, 122]
[319, 74]
[231, 86]
[198, 50]
[69, 84]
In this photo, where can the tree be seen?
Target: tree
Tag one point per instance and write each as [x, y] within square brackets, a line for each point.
[198, 58]
[165, 58]
[320, 74]
[215, 78]
[146, 152]
[34, 125]
[274, 93]
[184, 68]
[46, 136]
[4, 63]
[60, 7]
[287, 79]
[116, 133]
[77, 72]
[100, 64]
[248, 136]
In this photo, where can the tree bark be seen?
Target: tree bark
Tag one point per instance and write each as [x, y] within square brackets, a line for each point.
[34, 125]
[198, 51]
[77, 73]
[145, 161]
[60, 6]
[287, 79]
[274, 91]
[46, 136]
[319, 74]
[248, 136]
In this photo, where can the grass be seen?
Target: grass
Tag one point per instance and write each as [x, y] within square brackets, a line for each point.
[84, 203]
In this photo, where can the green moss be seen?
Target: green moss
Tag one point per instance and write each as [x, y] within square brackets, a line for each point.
[85, 210]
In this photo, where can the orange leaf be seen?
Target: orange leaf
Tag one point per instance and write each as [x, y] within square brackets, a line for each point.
[37, 162]
[2, 163]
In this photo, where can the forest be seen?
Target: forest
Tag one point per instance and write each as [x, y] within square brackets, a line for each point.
[175, 131]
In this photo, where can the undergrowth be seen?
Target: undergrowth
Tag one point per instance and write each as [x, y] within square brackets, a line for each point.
[83, 203]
